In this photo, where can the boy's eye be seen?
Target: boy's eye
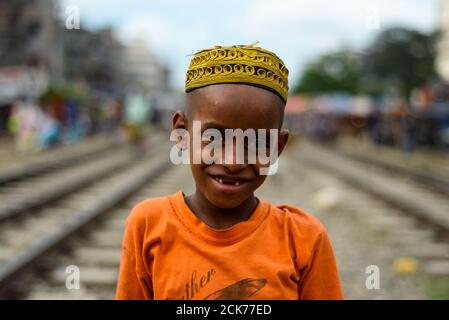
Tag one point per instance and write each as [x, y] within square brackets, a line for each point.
[210, 138]
[253, 145]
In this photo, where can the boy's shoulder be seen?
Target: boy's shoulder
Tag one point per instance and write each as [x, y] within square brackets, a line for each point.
[304, 231]
[298, 218]
[149, 210]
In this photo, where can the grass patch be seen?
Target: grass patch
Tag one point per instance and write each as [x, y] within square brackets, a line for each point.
[434, 288]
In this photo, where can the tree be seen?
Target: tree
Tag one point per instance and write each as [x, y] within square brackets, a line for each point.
[333, 72]
[400, 58]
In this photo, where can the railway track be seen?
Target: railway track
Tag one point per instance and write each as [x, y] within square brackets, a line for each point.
[59, 159]
[43, 211]
[418, 214]
[28, 185]
[24, 196]
[363, 198]
[97, 253]
[438, 183]
[399, 190]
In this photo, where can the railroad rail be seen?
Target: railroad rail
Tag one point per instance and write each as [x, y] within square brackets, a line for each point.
[43, 220]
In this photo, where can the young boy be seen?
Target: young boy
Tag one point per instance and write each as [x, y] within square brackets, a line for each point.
[222, 242]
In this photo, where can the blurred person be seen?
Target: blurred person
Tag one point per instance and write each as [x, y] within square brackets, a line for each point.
[113, 116]
[408, 124]
[49, 131]
[56, 108]
[223, 242]
[374, 126]
[13, 121]
[85, 122]
[74, 131]
[93, 116]
[136, 116]
[24, 123]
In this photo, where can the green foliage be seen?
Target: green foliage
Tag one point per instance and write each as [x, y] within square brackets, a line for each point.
[435, 288]
[333, 72]
[66, 92]
[398, 58]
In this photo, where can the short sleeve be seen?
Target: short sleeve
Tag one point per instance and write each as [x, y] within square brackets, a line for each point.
[134, 281]
[319, 279]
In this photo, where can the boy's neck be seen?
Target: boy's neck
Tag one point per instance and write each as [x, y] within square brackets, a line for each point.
[220, 218]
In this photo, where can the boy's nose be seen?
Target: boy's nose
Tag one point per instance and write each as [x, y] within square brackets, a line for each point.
[234, 163]
[233, 167]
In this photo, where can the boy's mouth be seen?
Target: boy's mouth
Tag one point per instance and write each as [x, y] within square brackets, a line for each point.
[229, 183]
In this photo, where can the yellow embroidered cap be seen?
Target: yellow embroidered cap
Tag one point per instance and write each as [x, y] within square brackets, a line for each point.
[238, 64]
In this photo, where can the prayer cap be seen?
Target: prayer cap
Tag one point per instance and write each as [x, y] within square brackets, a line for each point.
[240, 65]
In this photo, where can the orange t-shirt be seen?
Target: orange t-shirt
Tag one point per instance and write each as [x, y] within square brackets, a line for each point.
[278, 253]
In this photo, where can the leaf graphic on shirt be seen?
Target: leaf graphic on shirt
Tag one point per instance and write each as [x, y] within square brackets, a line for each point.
[240, 290]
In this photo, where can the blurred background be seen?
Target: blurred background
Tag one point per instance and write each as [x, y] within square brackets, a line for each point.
[88, 88]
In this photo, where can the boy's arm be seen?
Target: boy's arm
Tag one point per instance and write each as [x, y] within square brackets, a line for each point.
[319, 279]
[134, 283]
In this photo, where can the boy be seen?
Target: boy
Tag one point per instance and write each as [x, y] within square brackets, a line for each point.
[222, 242]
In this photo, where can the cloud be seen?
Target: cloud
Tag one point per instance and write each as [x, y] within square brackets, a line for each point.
[169, 41]
[297, 30]
[301, 30]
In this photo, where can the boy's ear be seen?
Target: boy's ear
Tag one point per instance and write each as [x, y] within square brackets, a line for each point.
[282, 140]
[179, 130]
[179, 120]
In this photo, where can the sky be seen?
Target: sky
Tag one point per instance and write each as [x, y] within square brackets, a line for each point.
[296, 30]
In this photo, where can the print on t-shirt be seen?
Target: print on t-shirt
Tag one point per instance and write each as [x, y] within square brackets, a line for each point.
[240, 290]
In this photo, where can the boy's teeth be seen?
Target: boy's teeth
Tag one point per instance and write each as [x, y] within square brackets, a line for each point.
[237, 183]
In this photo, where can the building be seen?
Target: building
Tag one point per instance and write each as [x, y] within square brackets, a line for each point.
[442, 59]
[30, 51]
[37, 49]
[30, 35]
[94, 58]
[144, 71]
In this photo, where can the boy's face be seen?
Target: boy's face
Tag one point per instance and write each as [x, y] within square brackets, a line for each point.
[230, 106]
